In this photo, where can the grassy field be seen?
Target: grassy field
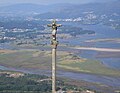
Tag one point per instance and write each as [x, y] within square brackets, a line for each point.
[25, 59]
[89, 66]
[75, 63]
[35, 59]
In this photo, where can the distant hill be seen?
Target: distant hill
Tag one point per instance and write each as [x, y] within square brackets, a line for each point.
[77, 10]
[22, 8]
[28, 8]
[62, 10]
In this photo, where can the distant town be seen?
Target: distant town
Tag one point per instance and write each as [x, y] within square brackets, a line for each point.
[31, 30]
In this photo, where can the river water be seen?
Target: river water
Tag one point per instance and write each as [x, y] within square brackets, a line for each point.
[105, 80]
[101, 32]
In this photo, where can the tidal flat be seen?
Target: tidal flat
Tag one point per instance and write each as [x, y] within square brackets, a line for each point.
[78, 68]
[38, 59]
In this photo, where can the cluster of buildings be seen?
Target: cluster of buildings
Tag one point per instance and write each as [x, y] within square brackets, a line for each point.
[11, 74]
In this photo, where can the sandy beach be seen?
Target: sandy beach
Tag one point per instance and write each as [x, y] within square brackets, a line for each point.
[98, 49]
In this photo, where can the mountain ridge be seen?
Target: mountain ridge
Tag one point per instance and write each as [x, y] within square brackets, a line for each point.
[77, 10]
[62, 10]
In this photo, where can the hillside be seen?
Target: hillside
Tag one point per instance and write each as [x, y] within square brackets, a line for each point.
[61, 10]
[74, 11]
[17, 82]
[28, 8]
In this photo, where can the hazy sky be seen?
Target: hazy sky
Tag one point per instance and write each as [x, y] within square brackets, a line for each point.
[7, 2]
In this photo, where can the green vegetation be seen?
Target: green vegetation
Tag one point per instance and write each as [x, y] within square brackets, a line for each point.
[30, 83]
[36, 59]
[26, 59]
[26, 83]
[75, 63]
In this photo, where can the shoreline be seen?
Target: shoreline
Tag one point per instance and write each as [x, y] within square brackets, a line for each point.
[98, 49]
[87, 77]
[82, 83]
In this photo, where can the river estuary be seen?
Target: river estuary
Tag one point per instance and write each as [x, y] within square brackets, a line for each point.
[113, 62]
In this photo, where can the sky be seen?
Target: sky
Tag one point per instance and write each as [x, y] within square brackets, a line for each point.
[46, 2]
